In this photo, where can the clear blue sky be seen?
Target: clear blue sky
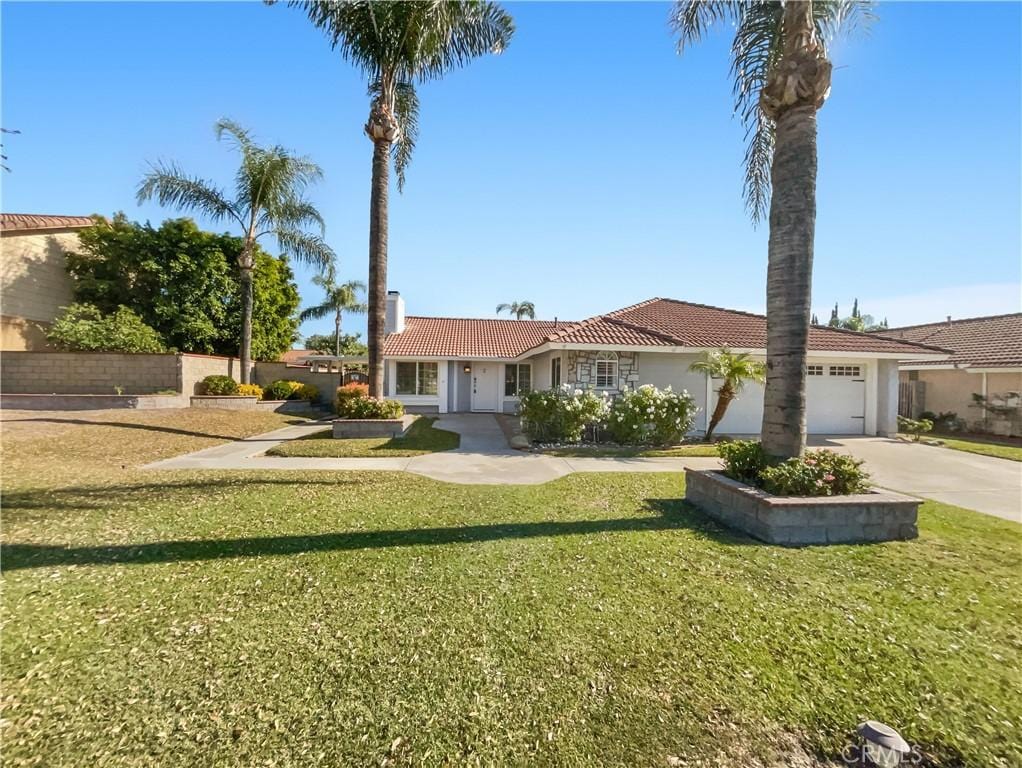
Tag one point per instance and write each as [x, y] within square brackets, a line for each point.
[587, 168]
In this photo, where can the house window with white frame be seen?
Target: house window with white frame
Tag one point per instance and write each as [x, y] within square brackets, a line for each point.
[606, 370]
[517, 379]
[555, 373]
[845, 370]
[416, 378]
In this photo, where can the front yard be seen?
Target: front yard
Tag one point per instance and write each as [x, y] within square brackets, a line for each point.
[422, 437]
[242, 618]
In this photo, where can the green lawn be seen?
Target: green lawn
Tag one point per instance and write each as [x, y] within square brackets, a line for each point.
[421, 438]
[692, 449]
[1000, 450]
[293, 618]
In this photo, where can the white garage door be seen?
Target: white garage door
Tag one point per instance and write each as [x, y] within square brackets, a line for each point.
[836, 400]
[835, 403]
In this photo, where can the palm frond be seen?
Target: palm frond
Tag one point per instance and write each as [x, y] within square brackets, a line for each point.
[317, 312]
[292, 213]
[303, 247]
[406, 112]
[172, 187]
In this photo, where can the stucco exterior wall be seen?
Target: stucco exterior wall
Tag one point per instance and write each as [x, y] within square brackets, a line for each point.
[34, 285]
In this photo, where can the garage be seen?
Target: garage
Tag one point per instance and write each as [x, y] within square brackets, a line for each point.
[835, 403]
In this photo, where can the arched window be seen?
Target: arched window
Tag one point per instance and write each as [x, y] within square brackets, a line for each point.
[606, 370]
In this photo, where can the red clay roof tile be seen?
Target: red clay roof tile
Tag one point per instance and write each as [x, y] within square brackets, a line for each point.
[979, 342]
[20, 222]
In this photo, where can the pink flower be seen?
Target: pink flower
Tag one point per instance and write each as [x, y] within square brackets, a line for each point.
[829, 478]
[811, 462]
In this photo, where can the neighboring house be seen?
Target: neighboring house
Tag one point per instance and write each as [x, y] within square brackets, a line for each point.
[440, 364]
[34, 283]
[298, 356]
[986, 360]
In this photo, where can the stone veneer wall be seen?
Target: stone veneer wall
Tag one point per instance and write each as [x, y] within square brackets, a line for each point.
[580, 369]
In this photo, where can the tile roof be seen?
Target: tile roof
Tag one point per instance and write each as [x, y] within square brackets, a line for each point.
[21, 222]
[653, 323]
[297, 356]
[978, 342]
[467, 338]
[700, 325]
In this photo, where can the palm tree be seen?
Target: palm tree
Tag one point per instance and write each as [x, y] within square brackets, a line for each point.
[339, 299]
[734, 370]
[267, 201]
[398, 45]
[781, 78]
[519, 309]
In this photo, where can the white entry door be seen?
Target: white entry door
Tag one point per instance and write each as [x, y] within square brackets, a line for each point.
[485, 380]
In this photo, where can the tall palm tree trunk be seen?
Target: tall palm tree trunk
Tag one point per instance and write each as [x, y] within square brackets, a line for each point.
[793, 94]
[337, 333]
[378, 264]
[247, 298]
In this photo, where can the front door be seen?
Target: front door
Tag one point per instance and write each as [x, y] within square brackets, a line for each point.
[485, 379]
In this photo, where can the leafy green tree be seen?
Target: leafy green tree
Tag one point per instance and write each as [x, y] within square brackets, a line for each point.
[519, 309]
[184, 282]
[268, 201]
[340, 298]
[856, 321]
[398, 45]
[83, 328]
[326, 344]
[734, 370]
[781, 79]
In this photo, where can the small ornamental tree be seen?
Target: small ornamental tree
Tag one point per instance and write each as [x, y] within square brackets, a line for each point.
[733, 371]
[83, 328]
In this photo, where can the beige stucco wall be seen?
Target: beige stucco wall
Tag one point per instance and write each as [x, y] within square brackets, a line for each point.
[34, 285]
[947, 390]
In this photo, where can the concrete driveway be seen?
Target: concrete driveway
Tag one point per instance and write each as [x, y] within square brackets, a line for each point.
[982, 483]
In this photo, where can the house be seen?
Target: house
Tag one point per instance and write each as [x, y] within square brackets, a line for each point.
[986, 360]
[444, 364]
[34, 283]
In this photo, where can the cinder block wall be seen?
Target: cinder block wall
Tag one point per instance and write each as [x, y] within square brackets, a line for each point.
[194, 368]
[87, 373]
[267, 373]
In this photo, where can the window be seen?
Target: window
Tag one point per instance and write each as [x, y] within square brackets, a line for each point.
[814, 370]
[606, 370]
[416, 378]
[517, 379]
[555, 373]
[844, 370]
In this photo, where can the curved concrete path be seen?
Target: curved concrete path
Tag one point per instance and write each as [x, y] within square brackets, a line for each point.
[483, 457]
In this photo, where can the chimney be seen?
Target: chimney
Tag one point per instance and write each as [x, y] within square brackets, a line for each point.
[949, 321]
[395, 322]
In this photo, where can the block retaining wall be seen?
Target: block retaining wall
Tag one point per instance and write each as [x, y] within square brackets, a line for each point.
[797, 520]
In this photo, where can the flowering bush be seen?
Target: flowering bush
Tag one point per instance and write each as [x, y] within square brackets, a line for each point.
[308, 392]
[648, 415]
[743, 460]
[817, 473]
[282, 389]
[353, 402]
[562, 414]
[250, 389]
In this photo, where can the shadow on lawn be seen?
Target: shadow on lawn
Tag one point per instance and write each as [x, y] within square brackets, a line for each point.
[674, 514]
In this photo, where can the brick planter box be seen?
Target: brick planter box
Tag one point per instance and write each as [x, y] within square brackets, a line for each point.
[796, 520]
[285, 406]
[230, 402]
[372, 427]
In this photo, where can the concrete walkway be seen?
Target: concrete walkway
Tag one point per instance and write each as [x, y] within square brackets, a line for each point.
[483, 457]
[983, 483]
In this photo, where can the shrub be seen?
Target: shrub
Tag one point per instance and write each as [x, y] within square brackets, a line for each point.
[743, 460]
[560, 415]
[946, 421]
[83, 328]
[650, 415]
[350, 392]
[308, 392]
[353, 402]
[250, 390]
[282, 389]
[914, 427]
[817, 473]
[219, 385]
